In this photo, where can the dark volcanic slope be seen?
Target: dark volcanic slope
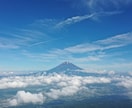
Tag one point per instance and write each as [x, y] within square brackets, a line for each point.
[66, 66]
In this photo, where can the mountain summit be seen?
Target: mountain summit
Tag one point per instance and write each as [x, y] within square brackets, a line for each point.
[65, 66]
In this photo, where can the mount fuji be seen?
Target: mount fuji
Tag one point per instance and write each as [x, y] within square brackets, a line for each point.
[68, 68]
[64, 68]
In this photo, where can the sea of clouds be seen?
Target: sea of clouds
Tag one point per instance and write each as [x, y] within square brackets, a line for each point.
[58, 85]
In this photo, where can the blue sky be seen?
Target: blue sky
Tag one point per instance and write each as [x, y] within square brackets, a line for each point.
[40, 34]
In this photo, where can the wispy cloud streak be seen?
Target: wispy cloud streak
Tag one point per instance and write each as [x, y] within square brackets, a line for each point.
[73, 20]
[109, 43]
[105, 5]
[76, 19]
[8, 43]
[23, 37]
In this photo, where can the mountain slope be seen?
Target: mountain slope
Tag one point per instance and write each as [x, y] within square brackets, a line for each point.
[68, 69]
[65, 67]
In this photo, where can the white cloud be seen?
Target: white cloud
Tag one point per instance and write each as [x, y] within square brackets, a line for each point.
[22, 37]
[64, 91]
[23, 97]
[125, 82]
[38, 43]
[82, 48]
[76, 19]
[60, 85]
[109, 43]
[105, 5]
[13, 82]
[98, 8]
[73, 20]
[99, 71]
[121, 39]
[20, 82]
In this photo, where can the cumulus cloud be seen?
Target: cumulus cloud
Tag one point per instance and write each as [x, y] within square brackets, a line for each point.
[15, 82]
[24, 81]
[23, 97]
[64, 91]
[71, 86]
[125, 82]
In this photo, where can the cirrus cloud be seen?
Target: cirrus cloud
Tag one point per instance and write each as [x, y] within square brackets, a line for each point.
[105, 5]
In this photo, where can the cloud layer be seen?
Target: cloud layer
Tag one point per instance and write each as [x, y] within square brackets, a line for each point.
[24, 81]
[59, 86]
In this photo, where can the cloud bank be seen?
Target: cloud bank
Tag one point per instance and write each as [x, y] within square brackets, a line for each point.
[25, 81]
[59, 86]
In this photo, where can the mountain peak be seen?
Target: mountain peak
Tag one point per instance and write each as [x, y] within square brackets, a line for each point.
[65, 66]
[66, 62]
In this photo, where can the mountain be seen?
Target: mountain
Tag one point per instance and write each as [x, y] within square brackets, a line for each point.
[65, 66]
[68, 69]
